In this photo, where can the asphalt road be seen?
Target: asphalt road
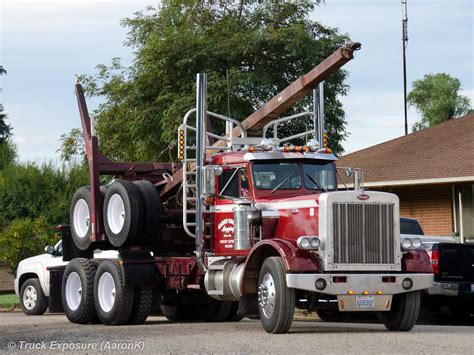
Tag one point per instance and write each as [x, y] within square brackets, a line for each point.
[54, 333]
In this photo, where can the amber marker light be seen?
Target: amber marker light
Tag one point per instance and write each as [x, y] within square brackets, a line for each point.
[350, 292]
[287, 149]
[379, 292]
[328, 151]
[251, 149]
[304, 148]
[365, 292]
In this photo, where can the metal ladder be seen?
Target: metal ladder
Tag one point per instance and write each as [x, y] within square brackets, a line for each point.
[191, 162]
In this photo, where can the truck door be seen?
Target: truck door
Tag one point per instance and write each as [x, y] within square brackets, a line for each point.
[232, 184]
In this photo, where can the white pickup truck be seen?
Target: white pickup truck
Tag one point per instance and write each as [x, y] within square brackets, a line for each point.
[33, 277]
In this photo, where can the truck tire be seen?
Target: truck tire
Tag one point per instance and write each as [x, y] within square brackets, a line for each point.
[276, 302]
[151, 211]
[234, 315]
[79, 216]
[78, 291]
[214, 311]
[142, 303]
[403, 313]
[113, 300]
[330, 315]
[123, 213]
[33, 302]
[178, 312]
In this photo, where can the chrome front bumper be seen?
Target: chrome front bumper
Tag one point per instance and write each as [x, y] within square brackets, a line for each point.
[359, 283]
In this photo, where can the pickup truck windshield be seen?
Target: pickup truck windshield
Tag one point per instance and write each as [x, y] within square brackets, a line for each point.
[290, 176]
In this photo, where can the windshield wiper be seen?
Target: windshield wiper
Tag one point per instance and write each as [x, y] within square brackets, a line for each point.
[316, 183]
[281, 183]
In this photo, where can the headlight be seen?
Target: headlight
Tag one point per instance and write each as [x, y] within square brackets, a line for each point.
[315, 243]
[416, 243]
[406, 244]
[308, 242]
[303, 242]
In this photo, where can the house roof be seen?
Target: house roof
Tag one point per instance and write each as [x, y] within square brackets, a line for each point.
[441, 154]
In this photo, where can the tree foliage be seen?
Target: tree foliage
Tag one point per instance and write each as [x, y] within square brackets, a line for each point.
[5, 129]
[437, 98]
[31, 191]
[7, 154]
[24, 238]
[249, 50]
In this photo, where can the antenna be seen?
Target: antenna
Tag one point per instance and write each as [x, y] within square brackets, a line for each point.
[405, 44]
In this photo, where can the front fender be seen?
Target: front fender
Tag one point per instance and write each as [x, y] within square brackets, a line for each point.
[36, 269]
[416, 261]
[294, 259]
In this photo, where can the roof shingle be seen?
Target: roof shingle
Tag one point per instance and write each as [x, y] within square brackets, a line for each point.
[443, 151]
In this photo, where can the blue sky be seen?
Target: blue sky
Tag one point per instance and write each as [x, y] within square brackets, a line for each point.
[44, 44]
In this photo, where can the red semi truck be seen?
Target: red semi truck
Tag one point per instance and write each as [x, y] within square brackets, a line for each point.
[244, 225]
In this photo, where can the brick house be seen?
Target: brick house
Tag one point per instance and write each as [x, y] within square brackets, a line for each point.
[432, 172]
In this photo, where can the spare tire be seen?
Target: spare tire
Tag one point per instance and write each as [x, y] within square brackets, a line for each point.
[151, 211]
[123, 213]
[79, 216]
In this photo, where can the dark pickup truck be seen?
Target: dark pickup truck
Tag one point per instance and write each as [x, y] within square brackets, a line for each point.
[453, 268]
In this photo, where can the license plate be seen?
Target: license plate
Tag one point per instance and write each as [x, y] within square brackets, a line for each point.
[361, 303]
[365, 301]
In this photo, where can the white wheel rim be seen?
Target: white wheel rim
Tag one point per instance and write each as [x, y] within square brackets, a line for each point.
[267, 295]
[81, 218]
[73, 291]
[30, 296]
[106, 292]
[116, 213]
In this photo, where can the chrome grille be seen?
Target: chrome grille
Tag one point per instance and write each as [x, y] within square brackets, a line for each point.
[363, 233]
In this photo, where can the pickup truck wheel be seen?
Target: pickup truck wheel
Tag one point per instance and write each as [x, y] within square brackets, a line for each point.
[78, 291]
[79, 216]
[330, 315]
[276, 302]
[113, 300]
[151, 210]
[403, 313]
[142, 303]
[33, 301]
[123, 213]
[214, 311]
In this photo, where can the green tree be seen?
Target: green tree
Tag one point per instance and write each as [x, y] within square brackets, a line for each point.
[24, 238]
[7, 153]
[437, 98]
[5, 129]
[250, 50]
[31, 191]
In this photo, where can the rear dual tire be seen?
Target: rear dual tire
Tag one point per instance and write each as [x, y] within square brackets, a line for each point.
[80, 216]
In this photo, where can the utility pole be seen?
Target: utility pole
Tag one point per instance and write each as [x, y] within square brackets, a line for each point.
[405, 44]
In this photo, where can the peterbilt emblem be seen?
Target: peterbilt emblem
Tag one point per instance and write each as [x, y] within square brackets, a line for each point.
[363, 197]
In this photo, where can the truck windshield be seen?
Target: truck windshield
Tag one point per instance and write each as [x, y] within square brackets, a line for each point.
[271, 176]
[319, 176]
[288, 176]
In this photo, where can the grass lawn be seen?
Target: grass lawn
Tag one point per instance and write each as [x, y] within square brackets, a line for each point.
[8, 299]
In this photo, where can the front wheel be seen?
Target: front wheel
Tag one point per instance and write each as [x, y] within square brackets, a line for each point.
[403, 313]
[276, 302]
[33, 300]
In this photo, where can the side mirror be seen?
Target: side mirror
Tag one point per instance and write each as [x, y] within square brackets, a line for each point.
[209, 175]
[49, 249]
